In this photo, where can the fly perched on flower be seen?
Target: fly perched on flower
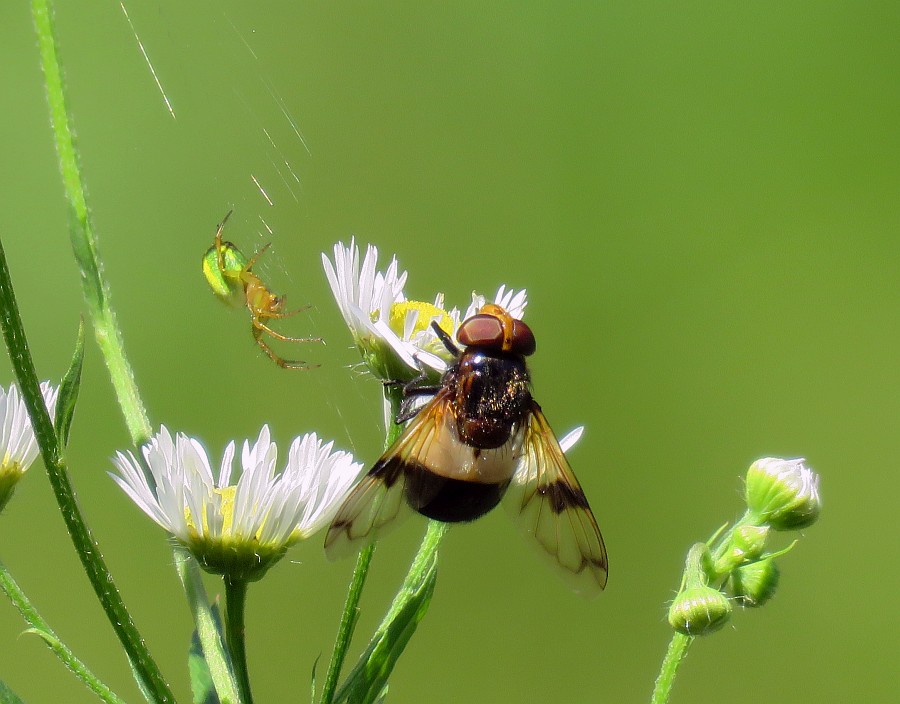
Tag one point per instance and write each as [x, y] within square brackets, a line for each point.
[480, 437]
[230, 275]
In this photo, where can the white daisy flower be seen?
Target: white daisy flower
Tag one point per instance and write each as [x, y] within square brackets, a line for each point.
[394, 335]
[18, 446]
[240, 525]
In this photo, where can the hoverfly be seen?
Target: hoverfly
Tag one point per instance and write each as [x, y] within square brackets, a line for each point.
[231, 277]
[479, 439]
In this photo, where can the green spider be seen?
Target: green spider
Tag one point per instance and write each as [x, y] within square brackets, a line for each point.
[230, 275]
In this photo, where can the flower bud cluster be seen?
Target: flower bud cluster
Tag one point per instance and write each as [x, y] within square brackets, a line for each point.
[781, 495]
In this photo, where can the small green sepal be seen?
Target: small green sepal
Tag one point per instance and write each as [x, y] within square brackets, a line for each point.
[68, 390]
[237, 559]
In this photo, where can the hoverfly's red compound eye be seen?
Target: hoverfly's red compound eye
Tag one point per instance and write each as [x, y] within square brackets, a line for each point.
[494, 328]
[483, 330]
[522, 338]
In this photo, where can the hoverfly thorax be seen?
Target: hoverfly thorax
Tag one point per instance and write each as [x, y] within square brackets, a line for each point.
[492, 397]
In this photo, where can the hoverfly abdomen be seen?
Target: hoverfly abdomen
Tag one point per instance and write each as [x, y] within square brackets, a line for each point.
[450, 500]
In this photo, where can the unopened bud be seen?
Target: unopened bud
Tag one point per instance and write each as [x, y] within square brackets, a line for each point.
[745, 544]
[783, 493]
[754, 584]
[699, 610]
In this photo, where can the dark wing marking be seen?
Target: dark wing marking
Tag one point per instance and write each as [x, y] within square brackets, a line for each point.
[379, 498]
[548, 503]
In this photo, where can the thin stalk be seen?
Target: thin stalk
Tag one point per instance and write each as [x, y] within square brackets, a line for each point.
[235, 601]
[85, 545]
[40, 627]
[674, 655]
[81, 231]
[214, 651]
[350, 614]
[349, 617]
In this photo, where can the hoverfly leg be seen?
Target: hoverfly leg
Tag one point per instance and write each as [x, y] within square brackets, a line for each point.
[412, 403]
[412, 390]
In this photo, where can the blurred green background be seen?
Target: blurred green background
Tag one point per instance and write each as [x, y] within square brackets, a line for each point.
[702, 200]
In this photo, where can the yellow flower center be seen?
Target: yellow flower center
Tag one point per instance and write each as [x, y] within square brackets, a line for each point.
[427, 312]
[226, 509]
[237, 556]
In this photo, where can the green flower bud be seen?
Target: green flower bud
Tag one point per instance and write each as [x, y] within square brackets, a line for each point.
[750, 541]
[754, 584]
[745, 544]
[699, 610]
[783, 493]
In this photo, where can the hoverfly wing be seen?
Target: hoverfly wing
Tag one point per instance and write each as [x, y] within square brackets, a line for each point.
[547, 502]
[380, 497]
[374, 503]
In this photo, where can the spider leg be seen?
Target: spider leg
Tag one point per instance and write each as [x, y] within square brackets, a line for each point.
[257, 255]
[280, 361]
[259, 325]
[289, 313]
[220, 250]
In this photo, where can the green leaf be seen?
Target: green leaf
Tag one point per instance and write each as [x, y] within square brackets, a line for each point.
[68, 390]
[312, 679]
[202, 686]
[7, 696]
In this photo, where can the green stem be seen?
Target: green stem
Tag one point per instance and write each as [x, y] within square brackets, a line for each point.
[674, 655]
[81, 230]
[40, 627]
[87, 548]
[350, 614]
[214, 652]
[349, 617]
[235, 601]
